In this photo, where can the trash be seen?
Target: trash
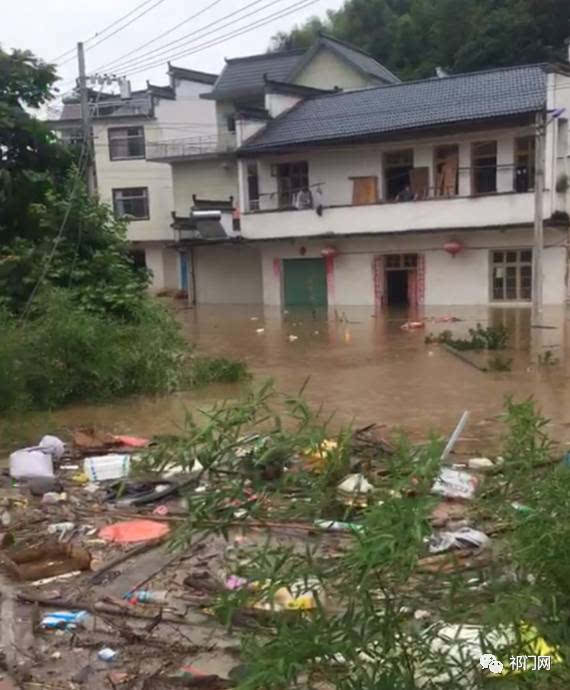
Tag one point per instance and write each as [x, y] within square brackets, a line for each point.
[299, 596]
[51, 498]
[353, 490]
[260, 330]
[118, 677]
[463, 538]
[337, 526]
[160, 510]
[107, 654]
[318, 455]
[455, 435]
[521, 508]
[27, 463]
[455, 484]
[254, 318]
[132, 441]
[5, 518]
[134, 530]
[146, 596]
[112, 466]
[69, 467]
[234, 582]
[56, 578]
[39, 486]
[37, 562]
[412, 325]
[53, 446]
[292, 338]
[447, 511]
[480, 464]
[66, 620]
[61, 528]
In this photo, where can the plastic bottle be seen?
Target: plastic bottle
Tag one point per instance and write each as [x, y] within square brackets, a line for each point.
[147, 596]
[68, 620]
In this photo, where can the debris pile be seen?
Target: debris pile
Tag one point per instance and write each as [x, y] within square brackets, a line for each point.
[139, 563]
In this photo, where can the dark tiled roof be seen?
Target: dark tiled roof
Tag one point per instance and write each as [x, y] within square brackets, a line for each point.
[406, 106]
[245, 75]
[191, 74]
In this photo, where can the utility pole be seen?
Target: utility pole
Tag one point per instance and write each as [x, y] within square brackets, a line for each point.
[85, 120]
[537, 254]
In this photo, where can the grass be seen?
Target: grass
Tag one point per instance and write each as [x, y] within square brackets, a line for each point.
[65, 354]
[363, 633]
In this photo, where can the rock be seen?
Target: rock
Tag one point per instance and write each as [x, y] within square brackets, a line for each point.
[39, 486]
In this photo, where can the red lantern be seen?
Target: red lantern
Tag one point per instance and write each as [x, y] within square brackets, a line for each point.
[453, 247]
[329, 251]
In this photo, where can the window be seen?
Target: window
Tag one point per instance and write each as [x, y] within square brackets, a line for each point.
[131, 203]
[231, 123]
[524, 164]
[446, 168]
[252, 186]
[364, 190]
[292, 178]
[126, 142]
[397, 167]
[484, 162]
[511, 275]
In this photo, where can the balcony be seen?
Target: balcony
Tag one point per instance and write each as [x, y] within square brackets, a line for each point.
[437, 213]
[195, 148]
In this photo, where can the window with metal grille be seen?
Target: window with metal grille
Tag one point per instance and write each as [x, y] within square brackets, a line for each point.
[511, 275]
[131, 203]
[484, 162]
[126, 142]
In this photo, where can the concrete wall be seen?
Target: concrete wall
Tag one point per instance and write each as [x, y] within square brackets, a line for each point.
[326, 70]
[463, 280]
[214, 179]
[164, 264]
[228, 274]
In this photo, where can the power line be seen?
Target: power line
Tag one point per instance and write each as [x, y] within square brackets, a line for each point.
[128, 64]
[98, 33]
[162, 35]
[105, 38]
[222, 39]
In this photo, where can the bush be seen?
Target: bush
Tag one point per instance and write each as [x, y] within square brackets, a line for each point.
[65, 354]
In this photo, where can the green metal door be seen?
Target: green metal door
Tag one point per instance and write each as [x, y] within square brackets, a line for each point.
[305, 282]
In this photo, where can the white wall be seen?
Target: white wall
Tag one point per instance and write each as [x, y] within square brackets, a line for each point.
[326, 70]
[213, 179]
[463, 280]
[164, 265]
[277, 103]
[228, 274]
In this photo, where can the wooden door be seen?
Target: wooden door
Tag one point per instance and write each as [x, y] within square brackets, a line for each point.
[364, 190]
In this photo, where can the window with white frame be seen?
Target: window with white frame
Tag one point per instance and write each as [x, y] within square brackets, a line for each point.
[126, 142]
[511, 275]
[131, 203]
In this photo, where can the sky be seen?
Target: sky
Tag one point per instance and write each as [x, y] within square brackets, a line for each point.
[49, 29]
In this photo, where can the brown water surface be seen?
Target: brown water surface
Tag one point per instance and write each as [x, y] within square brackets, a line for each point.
[361, 365]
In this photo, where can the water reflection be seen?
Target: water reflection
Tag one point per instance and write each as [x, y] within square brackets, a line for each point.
[365, 367]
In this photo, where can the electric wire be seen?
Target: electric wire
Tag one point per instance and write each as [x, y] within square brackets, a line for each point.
[150, 55]
[99, 33]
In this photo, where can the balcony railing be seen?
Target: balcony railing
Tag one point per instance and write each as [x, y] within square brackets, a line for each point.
[182, 148]
[103, 109]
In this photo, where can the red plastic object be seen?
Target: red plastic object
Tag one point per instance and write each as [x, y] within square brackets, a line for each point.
[133, 441]
[134, 530]
[453, 247]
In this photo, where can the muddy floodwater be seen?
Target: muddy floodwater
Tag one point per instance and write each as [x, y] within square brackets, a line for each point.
[364, 367]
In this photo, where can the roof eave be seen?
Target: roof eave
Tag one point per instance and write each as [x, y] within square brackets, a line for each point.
[395, 134]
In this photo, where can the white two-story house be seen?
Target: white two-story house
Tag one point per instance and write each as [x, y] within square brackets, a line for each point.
[222, 267]
[124, 131]
[418, 193]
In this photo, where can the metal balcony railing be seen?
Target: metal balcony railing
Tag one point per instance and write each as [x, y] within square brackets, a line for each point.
[181, 148]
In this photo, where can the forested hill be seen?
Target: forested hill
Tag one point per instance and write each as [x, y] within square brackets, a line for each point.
[413, 37]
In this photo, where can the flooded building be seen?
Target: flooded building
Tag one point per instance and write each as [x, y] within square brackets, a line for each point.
[409, 193]
[222, 266]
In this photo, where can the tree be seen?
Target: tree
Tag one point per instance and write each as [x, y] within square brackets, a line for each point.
[51, 232]
[413, 37]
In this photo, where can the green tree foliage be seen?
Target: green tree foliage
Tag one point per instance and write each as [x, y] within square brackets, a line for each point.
[51, 232]
[413, 37]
